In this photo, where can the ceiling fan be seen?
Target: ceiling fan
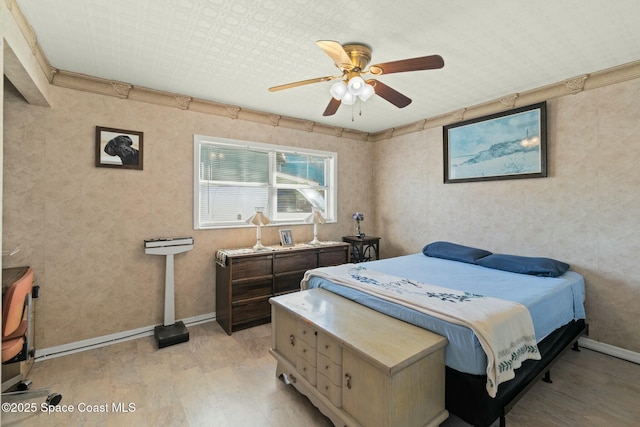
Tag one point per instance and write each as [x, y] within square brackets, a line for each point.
[352, 60]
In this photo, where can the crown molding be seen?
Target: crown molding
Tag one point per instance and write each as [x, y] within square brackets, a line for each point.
[570, 86]
[125, 90]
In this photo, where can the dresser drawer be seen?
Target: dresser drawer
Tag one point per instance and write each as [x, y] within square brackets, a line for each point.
[330, 348]
[295, 261]
[306, 369]
[288, 282]
[329, 390]
[332, 257]
[329, 369]
[243, 268]
[251, 310]
[246, 289]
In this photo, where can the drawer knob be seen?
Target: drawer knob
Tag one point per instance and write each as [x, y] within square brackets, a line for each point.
[292, 340]
[348, 379]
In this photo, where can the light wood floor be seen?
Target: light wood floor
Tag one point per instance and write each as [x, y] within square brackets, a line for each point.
[229, 381]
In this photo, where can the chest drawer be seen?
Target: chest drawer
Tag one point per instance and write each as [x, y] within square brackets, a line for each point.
[329, 348]
[306, 369]
[307, 334]
[329, 390]
[306, 352]
[329, 369]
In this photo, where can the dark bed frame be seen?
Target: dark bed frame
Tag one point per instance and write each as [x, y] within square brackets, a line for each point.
[466, 395]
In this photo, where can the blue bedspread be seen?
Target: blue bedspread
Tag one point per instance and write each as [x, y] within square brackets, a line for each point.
[552, 302]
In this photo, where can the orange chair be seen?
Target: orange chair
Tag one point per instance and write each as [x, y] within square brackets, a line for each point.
[16, 333]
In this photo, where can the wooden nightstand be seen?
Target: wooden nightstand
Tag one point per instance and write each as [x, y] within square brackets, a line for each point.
[365, 248]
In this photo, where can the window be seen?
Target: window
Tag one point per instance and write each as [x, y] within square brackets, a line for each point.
[232, 178]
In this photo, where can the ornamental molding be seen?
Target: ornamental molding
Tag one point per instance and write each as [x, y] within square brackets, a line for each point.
[509, 101]
[120, 89]
[308, 125]
[388, 134]
[338, 132]
[576, 85]
[233, 111]
[183, 101]
[274, 119]
[458, 116]
[420, 125]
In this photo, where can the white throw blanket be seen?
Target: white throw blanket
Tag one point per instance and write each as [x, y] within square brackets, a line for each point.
[504, 328]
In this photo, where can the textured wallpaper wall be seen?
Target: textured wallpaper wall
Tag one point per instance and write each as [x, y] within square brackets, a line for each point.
[82, 228]
[587, 212]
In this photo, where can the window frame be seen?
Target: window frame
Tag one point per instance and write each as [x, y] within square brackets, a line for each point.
[331, 178]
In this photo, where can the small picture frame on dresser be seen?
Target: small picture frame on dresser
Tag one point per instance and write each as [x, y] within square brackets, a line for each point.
[286, 237]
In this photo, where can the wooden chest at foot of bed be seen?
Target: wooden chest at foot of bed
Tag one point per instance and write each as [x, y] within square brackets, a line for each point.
[357, 366]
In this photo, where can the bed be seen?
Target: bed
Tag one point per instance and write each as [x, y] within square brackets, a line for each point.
[552, 294]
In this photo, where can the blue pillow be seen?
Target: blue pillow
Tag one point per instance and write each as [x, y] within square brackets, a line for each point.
[525, 265]
[454, 252]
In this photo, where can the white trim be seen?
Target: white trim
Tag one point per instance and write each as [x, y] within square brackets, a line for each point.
[105, 340]
[610, 350]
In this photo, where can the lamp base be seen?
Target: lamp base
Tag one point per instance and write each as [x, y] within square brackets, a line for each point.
[259, 247]
[315, 241]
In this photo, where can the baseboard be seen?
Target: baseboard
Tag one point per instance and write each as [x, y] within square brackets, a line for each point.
[610, 350]
[105, 340]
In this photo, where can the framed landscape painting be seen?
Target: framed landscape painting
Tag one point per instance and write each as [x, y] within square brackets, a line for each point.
[507, 145]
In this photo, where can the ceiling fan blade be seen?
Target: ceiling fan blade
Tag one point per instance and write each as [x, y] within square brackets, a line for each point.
[336, 52]
[332, 107]
[301, 83]
[431, 62]
[390, 94]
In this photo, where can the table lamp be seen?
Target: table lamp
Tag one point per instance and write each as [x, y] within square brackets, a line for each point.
[315, 218]
[258, 219]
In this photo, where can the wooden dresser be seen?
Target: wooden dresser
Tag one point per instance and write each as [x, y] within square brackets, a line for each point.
[359, 367]
[245, 280]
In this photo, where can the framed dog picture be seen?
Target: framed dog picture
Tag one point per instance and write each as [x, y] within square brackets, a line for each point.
[118, 148]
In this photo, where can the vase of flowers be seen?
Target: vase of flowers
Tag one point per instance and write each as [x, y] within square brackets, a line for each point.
[358, 217]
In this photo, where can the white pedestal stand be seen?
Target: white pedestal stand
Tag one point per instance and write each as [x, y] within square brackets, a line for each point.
[171, 332]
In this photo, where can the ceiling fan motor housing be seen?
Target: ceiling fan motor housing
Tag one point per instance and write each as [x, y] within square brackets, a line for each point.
[360, 55]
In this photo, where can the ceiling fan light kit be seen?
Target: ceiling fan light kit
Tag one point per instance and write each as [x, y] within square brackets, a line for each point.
[352, 60]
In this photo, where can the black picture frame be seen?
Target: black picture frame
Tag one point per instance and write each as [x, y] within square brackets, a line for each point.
[119, 148]
[505, 145]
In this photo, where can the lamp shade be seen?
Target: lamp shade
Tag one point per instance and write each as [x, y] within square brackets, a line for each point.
[349, 99]
[315, 217]
[258, 218]
[338, 90]
[367, 92]
[356, 85]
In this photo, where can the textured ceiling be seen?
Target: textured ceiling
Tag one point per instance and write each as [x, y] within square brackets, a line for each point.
[231, 52]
